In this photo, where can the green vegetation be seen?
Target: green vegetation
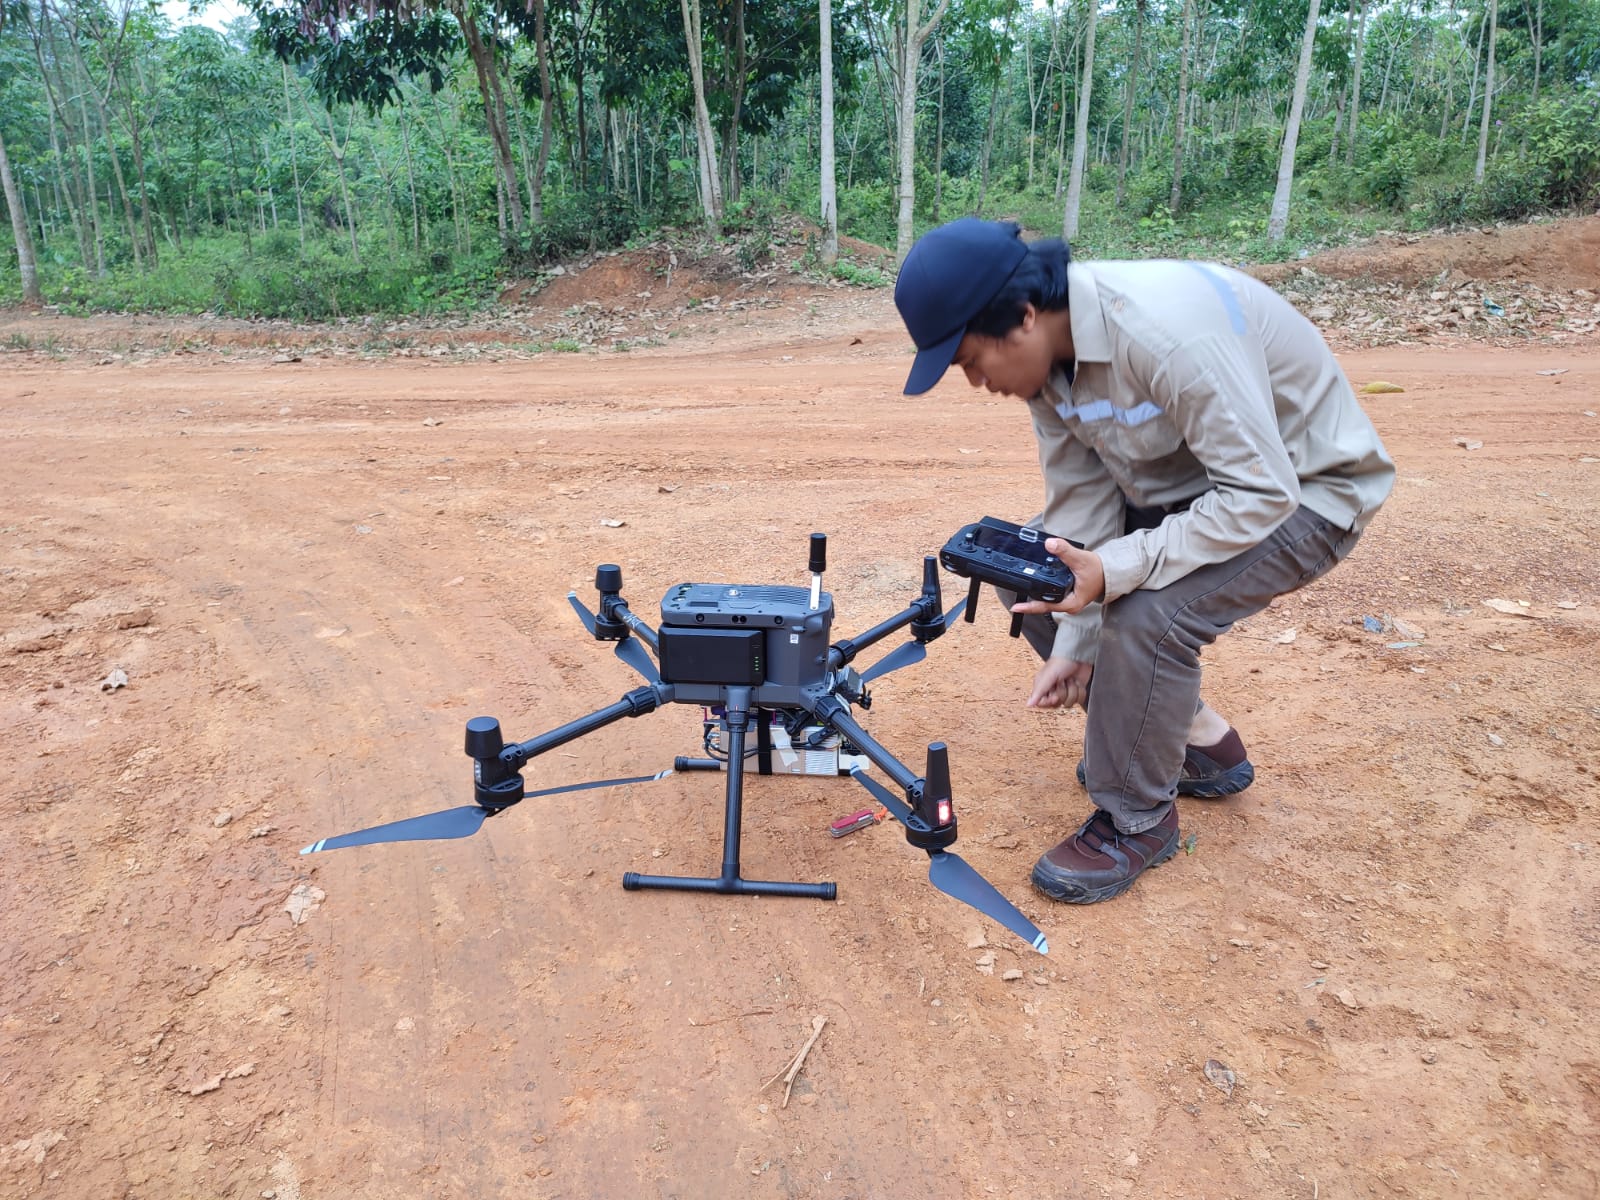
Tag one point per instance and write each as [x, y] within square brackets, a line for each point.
[275, 170]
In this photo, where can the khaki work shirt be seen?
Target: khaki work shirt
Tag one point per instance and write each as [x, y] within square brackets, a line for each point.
[1200, 390]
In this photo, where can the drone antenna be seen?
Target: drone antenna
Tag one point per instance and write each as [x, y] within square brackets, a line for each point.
[819, 564]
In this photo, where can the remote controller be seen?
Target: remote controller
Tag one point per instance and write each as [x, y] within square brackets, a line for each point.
[1009, 556]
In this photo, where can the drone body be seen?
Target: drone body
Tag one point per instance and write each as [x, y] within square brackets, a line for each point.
[756, 655]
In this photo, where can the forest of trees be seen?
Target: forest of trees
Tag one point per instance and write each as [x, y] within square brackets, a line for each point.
[317, 158]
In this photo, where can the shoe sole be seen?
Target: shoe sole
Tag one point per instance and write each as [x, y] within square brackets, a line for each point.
[1230, 782]
[1050, 888]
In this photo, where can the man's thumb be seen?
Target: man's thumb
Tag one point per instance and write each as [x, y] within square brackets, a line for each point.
[1064, 550]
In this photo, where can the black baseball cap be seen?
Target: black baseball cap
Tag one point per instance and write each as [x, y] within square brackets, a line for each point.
[950, 276]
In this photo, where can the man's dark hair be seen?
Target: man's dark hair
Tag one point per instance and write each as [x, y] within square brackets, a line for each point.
[1040, 280]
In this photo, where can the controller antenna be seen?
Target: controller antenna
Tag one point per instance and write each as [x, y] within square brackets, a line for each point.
[819, 564]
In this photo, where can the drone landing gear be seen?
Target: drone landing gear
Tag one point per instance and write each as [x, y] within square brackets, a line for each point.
[730, 882]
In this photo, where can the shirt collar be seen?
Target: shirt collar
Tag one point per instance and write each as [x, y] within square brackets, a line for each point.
[1091, 341]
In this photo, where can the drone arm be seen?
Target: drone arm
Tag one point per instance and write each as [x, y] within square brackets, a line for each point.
[924, 615]
[636, 703]
[844, 651]
[835, 714]
[621, 612]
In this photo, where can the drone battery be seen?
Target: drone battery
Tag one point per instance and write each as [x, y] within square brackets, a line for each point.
[695, 654]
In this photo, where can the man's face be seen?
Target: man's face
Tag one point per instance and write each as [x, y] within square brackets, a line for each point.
[1014, 365]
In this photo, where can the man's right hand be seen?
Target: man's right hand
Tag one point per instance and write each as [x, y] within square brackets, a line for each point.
[1061, 683]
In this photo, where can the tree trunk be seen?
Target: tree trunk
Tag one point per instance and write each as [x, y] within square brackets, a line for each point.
[458, 218]
[916, 36]
[1036, 95]
[1488, 93]
[1472, 92]
[1355, 87]
[830, 196]
[580, 32]
[738, 56]
[710, 181]
[1061, 126]
[344, 188]
[27, 267]
[93, 199]
[411, 179]
[294, 160]
[855, 143]
[1080, 131]
[1278, 222]
[1449, 97]
[988, 148]
[1127, 103]
[1176, 195]
[938, 138]
[541, 38]
[1538, 45]
[67, 180]
[494, 109]
[130, 120]
[134, 241]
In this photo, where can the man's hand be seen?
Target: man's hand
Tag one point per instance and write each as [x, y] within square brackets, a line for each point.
[1088, 575]
[1061, 683]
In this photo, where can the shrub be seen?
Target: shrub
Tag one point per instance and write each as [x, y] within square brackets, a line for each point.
[1564, 146]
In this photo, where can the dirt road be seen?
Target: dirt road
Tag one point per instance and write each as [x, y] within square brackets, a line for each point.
[312, 573]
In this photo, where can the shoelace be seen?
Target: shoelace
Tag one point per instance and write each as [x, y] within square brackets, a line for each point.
[1099, 830]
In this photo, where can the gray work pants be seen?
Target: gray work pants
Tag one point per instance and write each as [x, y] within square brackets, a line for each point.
[1146, 685]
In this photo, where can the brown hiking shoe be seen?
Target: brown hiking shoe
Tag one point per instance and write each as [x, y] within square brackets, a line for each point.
[1209, 772]
[1099, 862]
[1219, 770]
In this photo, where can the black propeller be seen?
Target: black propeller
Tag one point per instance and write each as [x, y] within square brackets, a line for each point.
[584, 614]
[451, 823]
[628, 649]
[908, 653]
[456, 822]
[955, 877]
[637, 657]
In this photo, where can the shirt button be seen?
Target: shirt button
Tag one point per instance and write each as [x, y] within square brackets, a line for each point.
[1116, 306]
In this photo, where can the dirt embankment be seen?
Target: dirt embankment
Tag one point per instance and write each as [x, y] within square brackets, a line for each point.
[1507, 285]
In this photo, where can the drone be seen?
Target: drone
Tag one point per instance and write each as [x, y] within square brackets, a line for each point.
[758, 660]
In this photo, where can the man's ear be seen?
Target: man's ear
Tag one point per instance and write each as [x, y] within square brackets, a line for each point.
[1030, 317]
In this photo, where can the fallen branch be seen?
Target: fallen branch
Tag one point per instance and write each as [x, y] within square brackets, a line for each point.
[789, 1073]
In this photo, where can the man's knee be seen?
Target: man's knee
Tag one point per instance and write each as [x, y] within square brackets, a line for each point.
[1142, 620]
[1137, 616]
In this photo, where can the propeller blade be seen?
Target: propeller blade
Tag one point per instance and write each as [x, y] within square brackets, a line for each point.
[636, 656]
[451, 823]
[901, 656]
[584, 614]
[911, 652]
[598, 783]
[896, 805]
[456, 822]
[953, 876]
